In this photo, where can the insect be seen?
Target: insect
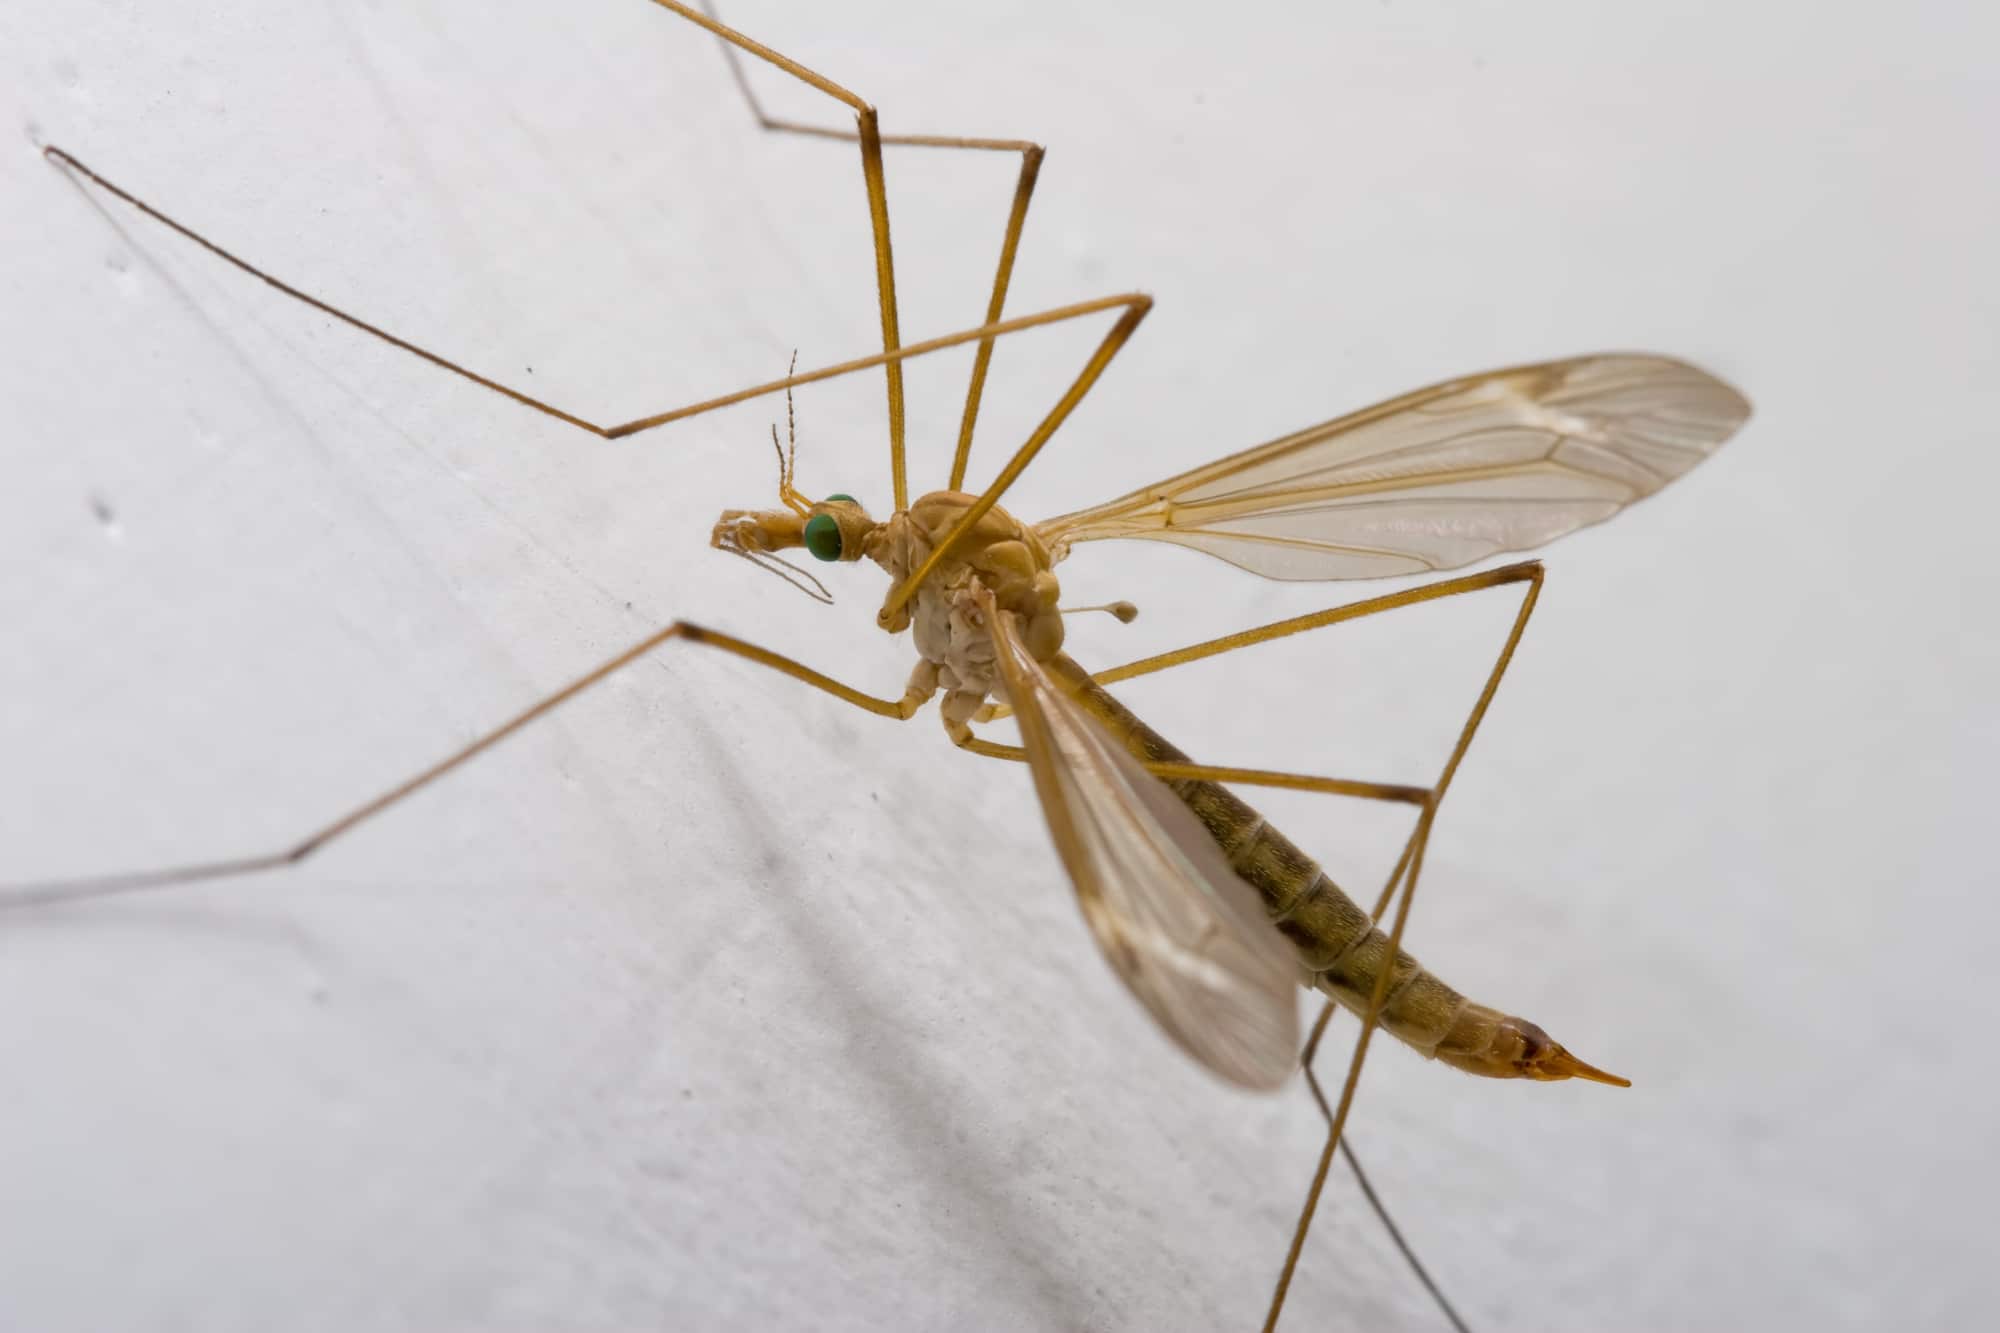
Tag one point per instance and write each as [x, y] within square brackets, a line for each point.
[1496, 462]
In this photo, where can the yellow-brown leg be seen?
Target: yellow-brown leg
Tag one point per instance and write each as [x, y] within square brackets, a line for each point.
[1530, 572]
[981, 333]
[1136, 308]
[1408, 865]
[1408, 868]
[1375, 1203]
[1417, 796]
[1010, 243]
[1250, 777]
[868, 135]
[1134, 305]
[25, 895]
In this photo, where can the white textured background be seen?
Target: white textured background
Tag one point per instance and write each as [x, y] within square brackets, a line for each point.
[713, 1003]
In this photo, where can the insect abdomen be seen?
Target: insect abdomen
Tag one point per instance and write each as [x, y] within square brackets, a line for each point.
[1338, 943]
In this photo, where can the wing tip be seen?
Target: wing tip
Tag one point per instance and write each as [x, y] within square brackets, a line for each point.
[1733, 406]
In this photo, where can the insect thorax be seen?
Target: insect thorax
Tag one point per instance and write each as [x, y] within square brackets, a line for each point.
[1000, 555]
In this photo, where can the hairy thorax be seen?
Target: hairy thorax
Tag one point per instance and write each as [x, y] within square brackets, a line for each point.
[1000, 555]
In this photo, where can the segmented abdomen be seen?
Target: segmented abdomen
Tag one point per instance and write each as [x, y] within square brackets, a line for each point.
[1337, 943]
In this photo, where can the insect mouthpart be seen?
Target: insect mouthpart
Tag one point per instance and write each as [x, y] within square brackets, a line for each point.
[744, 531]
[758, 534]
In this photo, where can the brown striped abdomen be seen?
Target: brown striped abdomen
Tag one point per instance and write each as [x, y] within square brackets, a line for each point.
[1337, 942]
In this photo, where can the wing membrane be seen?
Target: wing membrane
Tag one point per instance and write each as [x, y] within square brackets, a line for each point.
[1440, 477]
[1187, 935]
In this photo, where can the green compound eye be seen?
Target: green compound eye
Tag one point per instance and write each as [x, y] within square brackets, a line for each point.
[838, 496]
[823, 535]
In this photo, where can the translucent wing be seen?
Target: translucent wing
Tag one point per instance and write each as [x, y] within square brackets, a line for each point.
[1188, 936]
[1440, 477]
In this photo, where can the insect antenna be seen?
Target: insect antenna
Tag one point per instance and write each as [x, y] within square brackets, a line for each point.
[788, 458]
[786, 492]
[791, 423]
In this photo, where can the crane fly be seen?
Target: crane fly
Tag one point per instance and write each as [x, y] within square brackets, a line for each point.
[1211, 917]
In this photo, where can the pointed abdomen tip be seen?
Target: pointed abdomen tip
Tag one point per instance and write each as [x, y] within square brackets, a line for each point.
[1559, 1063]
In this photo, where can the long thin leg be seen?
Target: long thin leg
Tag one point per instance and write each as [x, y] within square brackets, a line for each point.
[1418, 796]
[869, 133]
[1523, 571]
[1530, 572]
[26, 895]
[1135, 311]
[1010, 243]
[1407, 865]
[1407, 869]
[984, 332]
[1381, 1210]
[1250, 777]
[1136, 306]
